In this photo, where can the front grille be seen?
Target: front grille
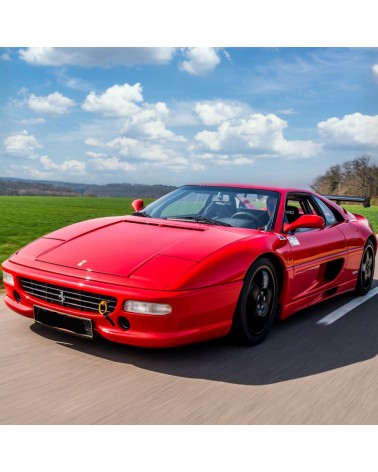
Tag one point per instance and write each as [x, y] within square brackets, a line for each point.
[62, 296]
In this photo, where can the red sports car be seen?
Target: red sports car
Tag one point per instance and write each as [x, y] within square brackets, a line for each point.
[199, 263]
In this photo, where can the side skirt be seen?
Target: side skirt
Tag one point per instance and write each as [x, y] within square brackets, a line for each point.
[291, 308]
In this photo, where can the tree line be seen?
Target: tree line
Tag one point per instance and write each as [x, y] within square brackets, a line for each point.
[66, 189]
[357, 177]
[11, 188]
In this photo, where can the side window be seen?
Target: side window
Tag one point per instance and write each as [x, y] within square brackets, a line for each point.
[327, 213]
[296, 206]
[293, 210]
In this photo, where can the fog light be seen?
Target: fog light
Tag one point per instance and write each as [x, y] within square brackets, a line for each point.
[124, 323]
[8, 278]
[146, 308]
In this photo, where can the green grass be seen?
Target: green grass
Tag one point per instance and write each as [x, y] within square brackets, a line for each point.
[370, 213]
[23, 219]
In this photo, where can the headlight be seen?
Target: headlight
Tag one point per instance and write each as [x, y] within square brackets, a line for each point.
[146, 308]
[8, 278]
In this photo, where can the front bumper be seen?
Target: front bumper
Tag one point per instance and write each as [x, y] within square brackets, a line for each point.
[197, 315]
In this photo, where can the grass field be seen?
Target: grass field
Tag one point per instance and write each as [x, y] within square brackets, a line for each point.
[24, 219]
[370, 213]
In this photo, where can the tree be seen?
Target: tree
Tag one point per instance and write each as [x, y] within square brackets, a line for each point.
[358, 177]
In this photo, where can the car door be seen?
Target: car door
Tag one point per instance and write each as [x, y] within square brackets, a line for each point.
[318, 255]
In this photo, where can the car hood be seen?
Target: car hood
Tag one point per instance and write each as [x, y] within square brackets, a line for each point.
[122, 247]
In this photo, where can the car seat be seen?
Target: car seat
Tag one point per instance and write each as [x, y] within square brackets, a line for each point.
[291, 213]
[222, 208]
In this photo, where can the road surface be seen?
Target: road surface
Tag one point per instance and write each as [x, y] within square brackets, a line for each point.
[305, 372]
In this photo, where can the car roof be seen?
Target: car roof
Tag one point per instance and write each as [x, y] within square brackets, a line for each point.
[257, 187]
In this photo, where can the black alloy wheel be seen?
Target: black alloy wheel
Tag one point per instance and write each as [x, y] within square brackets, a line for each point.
[366, 272]
[258, 303]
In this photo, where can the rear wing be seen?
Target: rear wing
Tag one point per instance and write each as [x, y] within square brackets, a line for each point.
[345, 198]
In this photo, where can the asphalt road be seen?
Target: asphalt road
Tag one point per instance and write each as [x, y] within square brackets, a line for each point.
[304, 373]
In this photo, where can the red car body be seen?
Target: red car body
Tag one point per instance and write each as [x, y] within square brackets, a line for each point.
[163, 281]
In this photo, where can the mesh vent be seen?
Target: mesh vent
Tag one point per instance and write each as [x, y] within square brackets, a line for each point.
[62, 296]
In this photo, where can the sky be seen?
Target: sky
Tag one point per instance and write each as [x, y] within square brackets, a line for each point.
[165, 115]
[172, 92]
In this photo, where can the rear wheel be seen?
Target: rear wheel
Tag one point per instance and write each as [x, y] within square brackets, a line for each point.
[258, 303]
[366, 272]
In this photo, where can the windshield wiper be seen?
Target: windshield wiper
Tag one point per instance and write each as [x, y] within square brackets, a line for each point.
[141, 213]
[200, 219]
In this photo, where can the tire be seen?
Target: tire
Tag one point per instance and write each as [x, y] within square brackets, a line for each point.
[366, 272]
[258, 304]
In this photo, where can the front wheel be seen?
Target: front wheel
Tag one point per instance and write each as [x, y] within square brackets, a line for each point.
[258, 304]
[366, 272]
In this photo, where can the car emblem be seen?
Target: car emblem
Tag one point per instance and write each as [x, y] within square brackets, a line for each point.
[61, 297]
[103, 307]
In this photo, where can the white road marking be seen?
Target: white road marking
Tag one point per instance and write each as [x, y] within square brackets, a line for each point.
[335, 315]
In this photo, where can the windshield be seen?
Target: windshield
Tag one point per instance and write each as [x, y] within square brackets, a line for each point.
[228, 206]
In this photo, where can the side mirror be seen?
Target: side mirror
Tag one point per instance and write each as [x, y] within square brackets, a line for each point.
[305, 221]
[138, 205]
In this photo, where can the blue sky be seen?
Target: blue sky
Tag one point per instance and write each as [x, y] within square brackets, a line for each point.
[275, 115]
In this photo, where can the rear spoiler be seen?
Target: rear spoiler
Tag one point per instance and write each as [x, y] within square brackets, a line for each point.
[345, 198]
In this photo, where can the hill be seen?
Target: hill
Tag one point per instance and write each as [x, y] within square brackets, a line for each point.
[10, 186]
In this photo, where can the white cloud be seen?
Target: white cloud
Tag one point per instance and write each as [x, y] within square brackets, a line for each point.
[94, 155]
[179, 164]
[47, 163]
[135, 149]
[356, 129]
[143, 156]
[91, 57]
[22, 144]
[53, 104]
[157, 130]
[33, 173]
[209, 139]
[94, 142]
[32, 121]
[75, 83]
[225, 159]
[257, 135]
[116, 101]
[74, 166]
[227, 55]
[5, 56]
[111, 164]
[140, 119]
[242, 161]
[214, 113]
[198, 167]
[69, 166]
[183, 114]
[375, 71]
[175, 163]
[129, 154]
[200, 60]
[156, 112]
[149, 121]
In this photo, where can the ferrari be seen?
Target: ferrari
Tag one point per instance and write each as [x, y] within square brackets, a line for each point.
[202, 262]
